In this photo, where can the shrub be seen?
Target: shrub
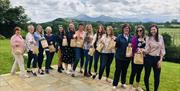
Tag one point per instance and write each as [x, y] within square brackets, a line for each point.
[172, 51]
[2, 37]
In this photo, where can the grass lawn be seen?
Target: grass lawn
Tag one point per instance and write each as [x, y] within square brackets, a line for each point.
[174, 32]
[170, 73]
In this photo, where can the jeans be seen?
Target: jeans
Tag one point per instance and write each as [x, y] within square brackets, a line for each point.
[78, 55]
[89, 60]
[19, 61]
[96, 59]
[106, 60]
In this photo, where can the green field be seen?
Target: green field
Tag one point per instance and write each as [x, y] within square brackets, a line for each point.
[170, 73]
[174, 32]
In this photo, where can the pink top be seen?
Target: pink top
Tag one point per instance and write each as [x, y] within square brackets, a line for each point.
[79, 34]
[17, 42]
[154, 48]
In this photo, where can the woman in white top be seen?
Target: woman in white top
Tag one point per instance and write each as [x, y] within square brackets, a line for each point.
[96, 41]
[108, 51]
[30, 44]
[87, 45]
[155, 51]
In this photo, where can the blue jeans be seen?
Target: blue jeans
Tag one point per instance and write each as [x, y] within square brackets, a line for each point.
[79, 54]
[96, 59]
[89, 60]
[106, 60]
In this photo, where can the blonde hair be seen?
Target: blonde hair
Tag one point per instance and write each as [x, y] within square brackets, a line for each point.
[30, 26]
[89, 25]
[39, 26]
[48, 28]
[110, 28]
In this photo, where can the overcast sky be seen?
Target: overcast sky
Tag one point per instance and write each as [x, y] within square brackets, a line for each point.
[46, 10]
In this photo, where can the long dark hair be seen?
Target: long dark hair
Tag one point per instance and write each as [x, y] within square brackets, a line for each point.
[156, 36]
[103, 30]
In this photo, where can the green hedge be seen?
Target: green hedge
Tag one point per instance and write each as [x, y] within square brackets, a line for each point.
[172, 51]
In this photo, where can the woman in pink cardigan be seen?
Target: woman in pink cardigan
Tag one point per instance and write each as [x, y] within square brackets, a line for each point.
[18, 48]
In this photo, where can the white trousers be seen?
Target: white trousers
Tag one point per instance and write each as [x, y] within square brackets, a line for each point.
[19, 61]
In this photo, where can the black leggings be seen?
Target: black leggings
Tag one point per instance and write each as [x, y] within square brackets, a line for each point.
[136, 70]
[49, 58]
[121, 70]
[31, 57]
[40, 57]
[151, 62]
[105, 62]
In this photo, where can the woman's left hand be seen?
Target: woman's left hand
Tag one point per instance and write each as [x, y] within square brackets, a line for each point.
[159, 64]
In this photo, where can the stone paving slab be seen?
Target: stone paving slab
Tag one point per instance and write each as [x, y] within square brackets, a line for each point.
[54, 82]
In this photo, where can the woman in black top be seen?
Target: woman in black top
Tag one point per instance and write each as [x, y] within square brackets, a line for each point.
[138, 43]
[51, 40]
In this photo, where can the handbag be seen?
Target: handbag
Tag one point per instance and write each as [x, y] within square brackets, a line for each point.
[129, 51]
[138, 58]
[100, 47]
[64, 42]
[52, 48]
[112, 44]
[44, 43]
[91, 51]
[18, 51]
[73, 43]
[79, 43]
[35, 50]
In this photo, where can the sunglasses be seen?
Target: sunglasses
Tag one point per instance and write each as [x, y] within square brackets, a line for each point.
[139, 30]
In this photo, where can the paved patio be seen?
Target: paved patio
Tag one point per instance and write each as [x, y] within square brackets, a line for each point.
[54, 82]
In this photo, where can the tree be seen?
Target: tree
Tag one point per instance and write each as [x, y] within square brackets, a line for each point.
[167, 24]
[174, 21]
[11, 17]
[4, 6]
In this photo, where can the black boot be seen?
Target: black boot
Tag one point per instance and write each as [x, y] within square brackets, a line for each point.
[47, 71]
[59, 70]
[62, 67]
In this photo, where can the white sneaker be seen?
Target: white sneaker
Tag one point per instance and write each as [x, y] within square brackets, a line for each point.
[68, 72]
[114, 87]
[131, 88]
[123, 86]
[25, 76]
[139, 89]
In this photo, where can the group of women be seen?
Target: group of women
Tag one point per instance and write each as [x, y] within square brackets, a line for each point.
[73, 46]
